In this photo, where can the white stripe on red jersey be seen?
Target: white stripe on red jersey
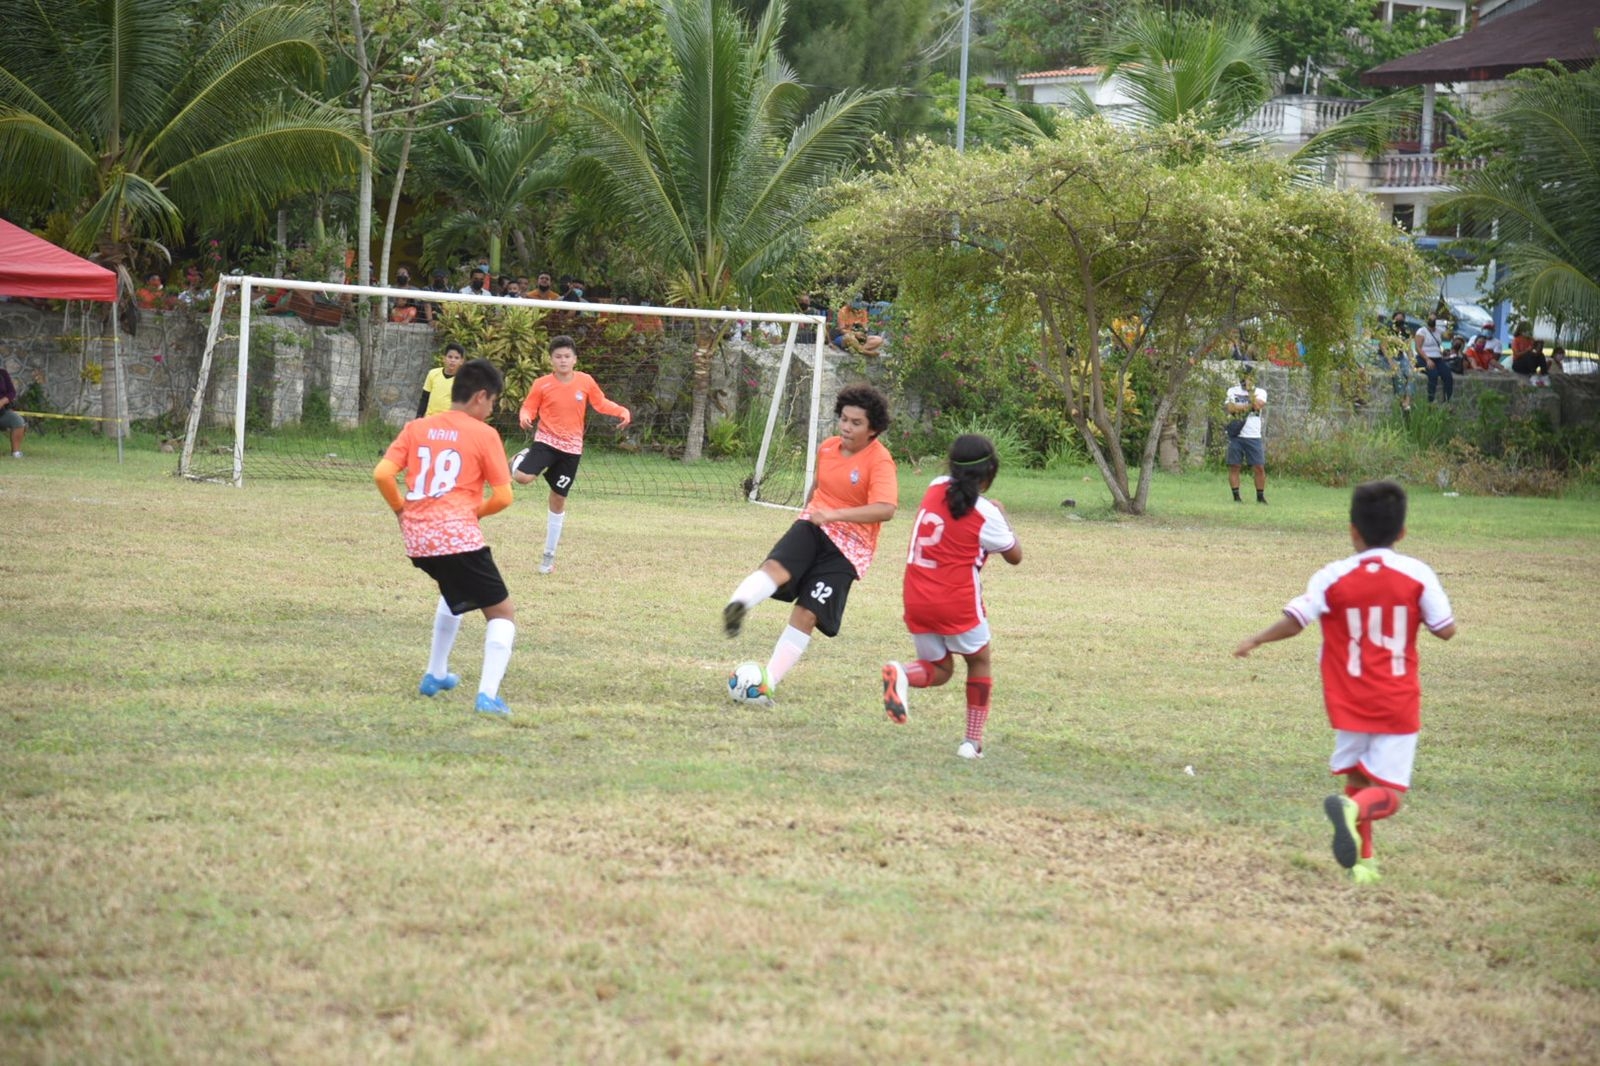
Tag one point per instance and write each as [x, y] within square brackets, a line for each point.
[1370, 606]
[943, 590]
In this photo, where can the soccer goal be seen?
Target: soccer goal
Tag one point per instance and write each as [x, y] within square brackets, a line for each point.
[283, 393]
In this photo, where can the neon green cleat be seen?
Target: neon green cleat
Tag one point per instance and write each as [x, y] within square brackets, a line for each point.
[1365, 872]
[1343, 813]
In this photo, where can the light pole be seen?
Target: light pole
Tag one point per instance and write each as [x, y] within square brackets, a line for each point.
[961, 100]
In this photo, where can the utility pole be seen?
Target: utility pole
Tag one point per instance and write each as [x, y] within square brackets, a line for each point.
[961, 105]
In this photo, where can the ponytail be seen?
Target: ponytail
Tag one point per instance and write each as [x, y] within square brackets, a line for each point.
[973, 466]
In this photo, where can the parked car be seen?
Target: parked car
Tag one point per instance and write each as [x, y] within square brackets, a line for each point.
[1469, 318]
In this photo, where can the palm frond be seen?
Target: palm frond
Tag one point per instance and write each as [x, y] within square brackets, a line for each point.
[247, 62]
[43, 163]
[285, 152]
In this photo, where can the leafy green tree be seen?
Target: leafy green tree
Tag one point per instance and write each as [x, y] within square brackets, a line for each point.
[718, 181]
[1130, 253]
[136, 118]
[489, 170]
[1026, 35]
[1541, 192]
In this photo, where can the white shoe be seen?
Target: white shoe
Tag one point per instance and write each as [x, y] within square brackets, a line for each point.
[969, 750]
[16, 455]
[547, 564]
[895, 686]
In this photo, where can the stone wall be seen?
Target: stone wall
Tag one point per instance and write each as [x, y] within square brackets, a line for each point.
[69, 355]
[1294, 413]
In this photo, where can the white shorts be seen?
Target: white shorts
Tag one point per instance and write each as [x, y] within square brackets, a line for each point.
[1386, 758]
[935, 646]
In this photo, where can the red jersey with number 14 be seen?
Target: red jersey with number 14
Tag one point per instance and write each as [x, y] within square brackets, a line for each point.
[942, 590]
[1370, 606]
[446, 459]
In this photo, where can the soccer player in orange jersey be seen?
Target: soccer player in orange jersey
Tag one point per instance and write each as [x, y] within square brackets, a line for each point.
[956, 530]
[832, 543]
[1370, 605]
[558, 402]
[447, 458]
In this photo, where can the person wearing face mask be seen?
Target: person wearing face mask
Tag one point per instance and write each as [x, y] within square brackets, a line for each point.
[1431, 358]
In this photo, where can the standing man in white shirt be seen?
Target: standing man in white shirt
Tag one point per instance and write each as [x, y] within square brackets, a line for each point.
[1430, 357]
[1247, 406]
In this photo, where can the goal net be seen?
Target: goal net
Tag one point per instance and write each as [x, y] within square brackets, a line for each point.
[281, 391]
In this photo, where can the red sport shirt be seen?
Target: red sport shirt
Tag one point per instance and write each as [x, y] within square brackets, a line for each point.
[1370, 606]
[942, 590]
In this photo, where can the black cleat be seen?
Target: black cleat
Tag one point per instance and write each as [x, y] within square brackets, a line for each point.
[733, 617]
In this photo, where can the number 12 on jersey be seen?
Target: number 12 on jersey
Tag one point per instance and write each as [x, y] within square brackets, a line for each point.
[921, 540]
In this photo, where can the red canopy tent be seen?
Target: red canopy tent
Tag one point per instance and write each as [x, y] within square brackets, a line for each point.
[32, 266]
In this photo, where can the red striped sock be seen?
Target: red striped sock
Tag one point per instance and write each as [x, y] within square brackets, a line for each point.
[1375, 802]
[979, 689]
[918, 674]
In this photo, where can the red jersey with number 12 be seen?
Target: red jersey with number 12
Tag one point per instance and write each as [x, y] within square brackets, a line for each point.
[447, 459]
[1370, 606]
[942, 590]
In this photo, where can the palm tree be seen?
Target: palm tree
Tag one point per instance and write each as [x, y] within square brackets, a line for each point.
[133, 121]
[1542, 192]
[1215, 73]
[717, 183]
[485, 168]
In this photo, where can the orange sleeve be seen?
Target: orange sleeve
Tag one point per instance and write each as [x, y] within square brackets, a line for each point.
[884, 486]
[530, 403]
[384, 476]
[499, 499]
[597, 400]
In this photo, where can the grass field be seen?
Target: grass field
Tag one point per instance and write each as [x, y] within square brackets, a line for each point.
[233, 832]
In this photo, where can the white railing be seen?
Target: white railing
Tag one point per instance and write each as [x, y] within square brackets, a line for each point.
[1298, 118]
[1423, 170]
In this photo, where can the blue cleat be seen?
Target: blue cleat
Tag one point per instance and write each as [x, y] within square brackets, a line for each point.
[488, 704]
[432, 686]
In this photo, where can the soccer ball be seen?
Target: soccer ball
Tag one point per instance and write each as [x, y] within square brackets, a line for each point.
[516, 460]
[748, 683]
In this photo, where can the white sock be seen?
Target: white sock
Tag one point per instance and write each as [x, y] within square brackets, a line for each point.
[753, 589]
[552, 531]
[791, 645]
[445, 628]
[497, 640]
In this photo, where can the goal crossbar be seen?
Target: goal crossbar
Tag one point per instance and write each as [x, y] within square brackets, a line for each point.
[246, 284]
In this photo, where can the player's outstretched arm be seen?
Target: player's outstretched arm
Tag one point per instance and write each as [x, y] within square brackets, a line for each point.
[1284, 628]
[383, 476]
[499, 499]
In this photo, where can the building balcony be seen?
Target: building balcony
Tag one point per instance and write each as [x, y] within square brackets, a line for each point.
[1419, 171]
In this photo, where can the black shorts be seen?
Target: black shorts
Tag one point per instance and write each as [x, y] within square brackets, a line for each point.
[560, 468]
[820, 574]
[468, 581]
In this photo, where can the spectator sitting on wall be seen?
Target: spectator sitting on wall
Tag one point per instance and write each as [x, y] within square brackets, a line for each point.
[1480, 353]
[574, 293]
[152, 295]
[1531, 365]
[477, 284]
[545, 290]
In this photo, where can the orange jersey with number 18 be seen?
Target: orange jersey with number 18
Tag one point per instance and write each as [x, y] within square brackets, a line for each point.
[447, 459]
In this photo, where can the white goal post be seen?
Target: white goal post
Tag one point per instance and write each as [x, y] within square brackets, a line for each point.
[248, 288]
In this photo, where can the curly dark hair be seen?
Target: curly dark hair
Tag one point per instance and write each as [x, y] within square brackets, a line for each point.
[870, 400]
